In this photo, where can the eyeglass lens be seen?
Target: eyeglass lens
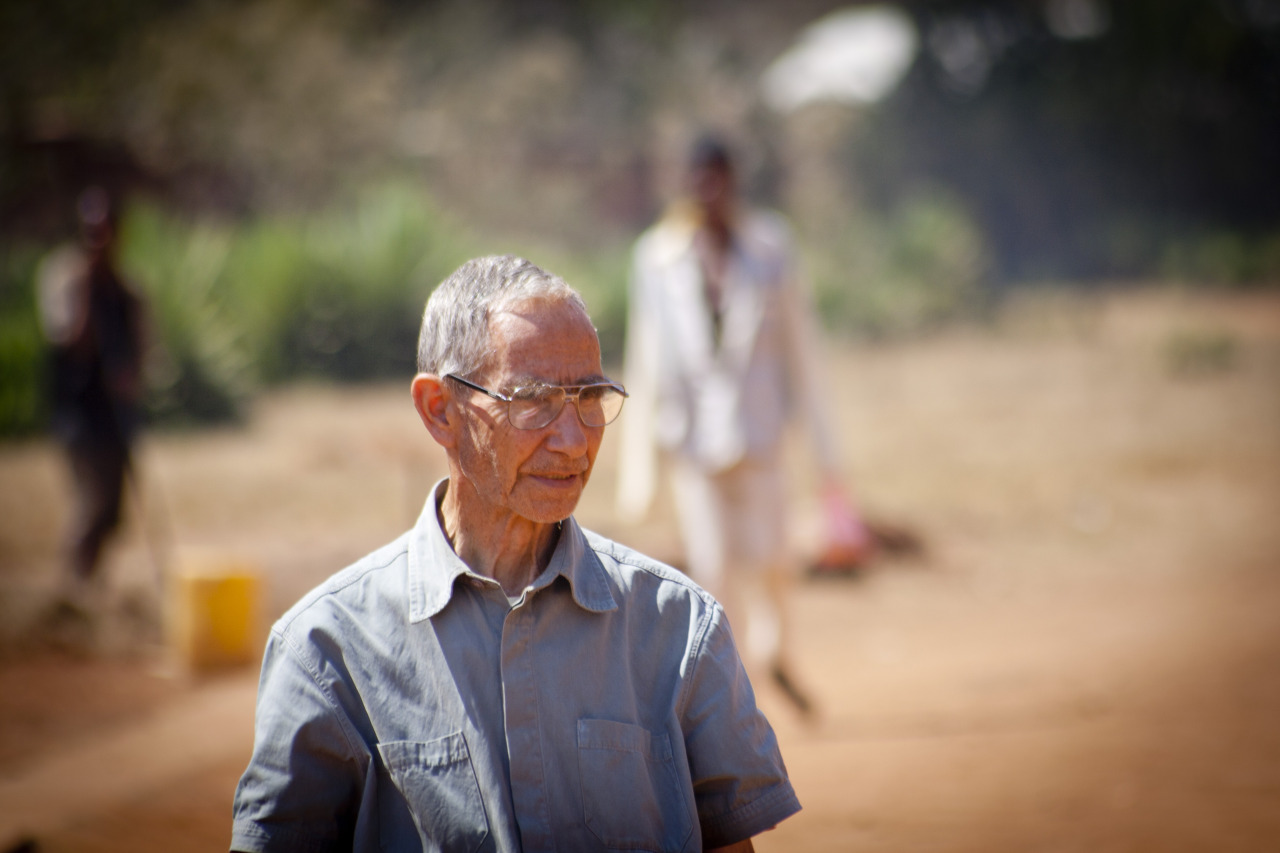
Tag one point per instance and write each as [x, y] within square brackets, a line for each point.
[534, 408]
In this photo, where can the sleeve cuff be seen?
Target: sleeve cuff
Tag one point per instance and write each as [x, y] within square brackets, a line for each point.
[747, 821]
[251, 837]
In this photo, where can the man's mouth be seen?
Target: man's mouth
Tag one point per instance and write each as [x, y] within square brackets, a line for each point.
[558, 477]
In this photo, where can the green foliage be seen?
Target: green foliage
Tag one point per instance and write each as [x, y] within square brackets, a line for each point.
[885, 276]
[22, 404]
[350, 303]
[1088, 155]
[1225, 257]
[337, 294]
[199, 366]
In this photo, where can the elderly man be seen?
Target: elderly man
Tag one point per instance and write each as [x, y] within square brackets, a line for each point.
[499, 678]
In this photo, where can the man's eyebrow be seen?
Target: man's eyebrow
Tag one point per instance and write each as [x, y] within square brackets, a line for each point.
[526, 381]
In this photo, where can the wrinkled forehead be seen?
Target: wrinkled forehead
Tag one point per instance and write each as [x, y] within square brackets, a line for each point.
[543, 340]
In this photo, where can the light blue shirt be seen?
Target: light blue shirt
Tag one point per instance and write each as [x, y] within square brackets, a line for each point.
[405, 704]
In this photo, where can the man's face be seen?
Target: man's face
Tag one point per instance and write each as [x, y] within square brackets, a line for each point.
[711, 186]
[536, 474]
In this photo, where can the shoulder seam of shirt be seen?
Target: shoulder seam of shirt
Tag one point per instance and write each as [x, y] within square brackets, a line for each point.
[335, 707]
[630, 557]
[705, 624]
[336, 582]
[660, 570]
[390, 554]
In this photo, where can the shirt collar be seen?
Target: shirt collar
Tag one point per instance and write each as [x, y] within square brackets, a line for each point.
[434, 567]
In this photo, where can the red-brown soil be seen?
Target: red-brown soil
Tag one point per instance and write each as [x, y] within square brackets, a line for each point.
[1086, 656]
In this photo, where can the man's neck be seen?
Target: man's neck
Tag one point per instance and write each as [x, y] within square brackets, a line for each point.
[499, 545]
[717, 231]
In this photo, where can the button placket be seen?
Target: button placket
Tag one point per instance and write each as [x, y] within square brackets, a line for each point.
[523, 730]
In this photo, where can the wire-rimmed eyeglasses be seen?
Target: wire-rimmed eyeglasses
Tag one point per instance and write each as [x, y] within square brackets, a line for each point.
[535, 406]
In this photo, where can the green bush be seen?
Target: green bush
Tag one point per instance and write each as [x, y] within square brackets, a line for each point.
[920, 266]
[199, 367]
[350, 305]
[1225, 258]
[23, 406]
[336, 294]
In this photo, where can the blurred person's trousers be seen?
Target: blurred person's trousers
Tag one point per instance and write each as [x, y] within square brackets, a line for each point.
[98, 472]
[733, 524]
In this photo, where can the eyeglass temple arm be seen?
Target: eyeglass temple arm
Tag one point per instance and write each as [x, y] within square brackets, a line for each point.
[483, 390]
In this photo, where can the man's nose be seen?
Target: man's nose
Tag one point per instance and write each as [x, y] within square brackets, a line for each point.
[568, 433]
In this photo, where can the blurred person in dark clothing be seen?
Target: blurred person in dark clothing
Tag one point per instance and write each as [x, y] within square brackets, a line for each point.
[93, 321]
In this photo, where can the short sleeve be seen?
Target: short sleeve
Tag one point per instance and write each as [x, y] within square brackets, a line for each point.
[740, 784]
[303, 785]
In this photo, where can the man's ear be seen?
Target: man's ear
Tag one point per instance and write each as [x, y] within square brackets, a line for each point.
[431, 399]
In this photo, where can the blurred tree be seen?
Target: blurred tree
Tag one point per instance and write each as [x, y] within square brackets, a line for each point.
[1086, 136]
[1089, 137]
[52, 86]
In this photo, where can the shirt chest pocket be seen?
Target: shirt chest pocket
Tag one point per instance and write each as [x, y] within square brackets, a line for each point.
[440, 791]
[633, 797]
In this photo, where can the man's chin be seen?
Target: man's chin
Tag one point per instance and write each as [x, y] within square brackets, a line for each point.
[551, 499]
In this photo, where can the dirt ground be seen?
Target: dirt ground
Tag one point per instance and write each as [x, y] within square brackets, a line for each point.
[1085, 657]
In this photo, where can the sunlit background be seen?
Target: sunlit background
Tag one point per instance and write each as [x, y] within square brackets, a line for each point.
[1044, 241]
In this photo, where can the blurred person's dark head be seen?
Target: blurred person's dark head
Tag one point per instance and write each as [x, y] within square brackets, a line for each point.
[711, 180]
[96, 213]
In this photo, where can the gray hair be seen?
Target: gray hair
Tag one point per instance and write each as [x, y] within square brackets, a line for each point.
[455, 324]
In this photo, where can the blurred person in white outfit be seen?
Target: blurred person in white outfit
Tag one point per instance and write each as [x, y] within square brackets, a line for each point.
[721, 353]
